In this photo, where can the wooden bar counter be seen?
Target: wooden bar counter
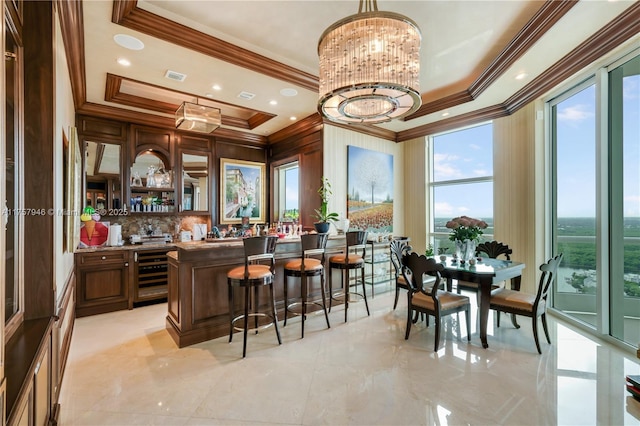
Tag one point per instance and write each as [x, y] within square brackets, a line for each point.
[198, 297]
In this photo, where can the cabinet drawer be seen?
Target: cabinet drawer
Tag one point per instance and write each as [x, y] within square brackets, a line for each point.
[103, 257]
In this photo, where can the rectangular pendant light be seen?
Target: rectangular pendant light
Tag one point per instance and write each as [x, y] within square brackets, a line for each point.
[197, 118]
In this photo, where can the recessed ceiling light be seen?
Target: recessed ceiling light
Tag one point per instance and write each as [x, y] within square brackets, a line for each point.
[444, 114]
[128, 42]
[124, 62]
[209, 95]
[522, 76]
[293, 118]
[288, 92]
[216, 87]
[273, 102]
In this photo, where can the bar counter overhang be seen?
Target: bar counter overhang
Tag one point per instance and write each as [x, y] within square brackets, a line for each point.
[198, 304]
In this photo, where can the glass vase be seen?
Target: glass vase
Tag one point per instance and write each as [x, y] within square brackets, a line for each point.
[466, 250]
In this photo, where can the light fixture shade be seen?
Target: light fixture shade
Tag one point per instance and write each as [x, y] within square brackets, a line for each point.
[197, 118]
[369, 68]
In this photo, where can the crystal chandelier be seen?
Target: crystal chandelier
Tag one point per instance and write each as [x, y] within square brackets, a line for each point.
[197, 118]
[369, 67]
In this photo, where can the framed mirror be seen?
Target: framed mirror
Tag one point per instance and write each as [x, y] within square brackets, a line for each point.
[103, 181]
[195, 182]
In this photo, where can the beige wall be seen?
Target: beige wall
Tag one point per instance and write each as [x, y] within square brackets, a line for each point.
[64, 118]
[519, 188]
[416, 206]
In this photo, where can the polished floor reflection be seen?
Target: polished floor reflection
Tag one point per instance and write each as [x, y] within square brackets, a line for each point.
[124, 369]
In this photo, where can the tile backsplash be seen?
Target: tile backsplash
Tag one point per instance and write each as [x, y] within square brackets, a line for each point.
[169, 224]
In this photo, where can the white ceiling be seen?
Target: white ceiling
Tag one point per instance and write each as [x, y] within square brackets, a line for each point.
[460, 39]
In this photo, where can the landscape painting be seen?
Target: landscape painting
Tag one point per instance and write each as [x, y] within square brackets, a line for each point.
[370, 190]
[242, 191]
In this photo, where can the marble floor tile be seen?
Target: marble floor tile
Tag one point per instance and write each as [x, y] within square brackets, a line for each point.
[124, 369]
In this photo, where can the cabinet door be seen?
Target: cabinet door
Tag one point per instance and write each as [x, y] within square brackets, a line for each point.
[42, 389]
[102, 288]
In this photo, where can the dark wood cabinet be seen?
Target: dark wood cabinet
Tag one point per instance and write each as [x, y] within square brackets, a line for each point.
[102, 282]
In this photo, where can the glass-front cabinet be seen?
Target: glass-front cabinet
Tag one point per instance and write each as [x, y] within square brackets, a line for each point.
[151, 185]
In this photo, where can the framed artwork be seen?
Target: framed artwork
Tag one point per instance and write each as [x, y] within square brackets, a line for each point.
[369, 189]
[242, 191]
[72, 183]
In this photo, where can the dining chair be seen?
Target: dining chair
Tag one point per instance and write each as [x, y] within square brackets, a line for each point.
[258, 271]
[492, 249]
[430, 301]
[398, 248]
[309, 264]
[526, 304]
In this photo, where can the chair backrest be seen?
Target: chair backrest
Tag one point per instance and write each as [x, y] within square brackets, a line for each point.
[258, 248]
[356, 238]
[549, 274]
[493, 249]
[397, 249]
[414, 269]
[357, 243]
[313, 244]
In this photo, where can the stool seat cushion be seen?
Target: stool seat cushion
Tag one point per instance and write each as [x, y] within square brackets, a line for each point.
[309, 265]
[255, 272]
[354, 259]
[447, 300]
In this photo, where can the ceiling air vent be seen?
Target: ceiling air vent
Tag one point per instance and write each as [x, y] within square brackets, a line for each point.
[246, 95]
[174, 75]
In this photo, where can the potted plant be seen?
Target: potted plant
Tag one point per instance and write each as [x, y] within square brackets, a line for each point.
[322, 214]
[429, 251]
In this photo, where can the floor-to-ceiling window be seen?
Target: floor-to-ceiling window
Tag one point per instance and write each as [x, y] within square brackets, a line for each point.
[573, 121]
[461, 180]
[595, 148]
[624, 133]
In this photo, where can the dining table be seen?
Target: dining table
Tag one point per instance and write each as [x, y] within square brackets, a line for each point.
[486, 272]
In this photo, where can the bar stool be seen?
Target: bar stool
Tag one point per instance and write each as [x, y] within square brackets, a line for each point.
[351, 259]
[258, 271]
[310, 264]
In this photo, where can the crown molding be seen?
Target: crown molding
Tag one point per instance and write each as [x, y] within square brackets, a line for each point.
[127, 14]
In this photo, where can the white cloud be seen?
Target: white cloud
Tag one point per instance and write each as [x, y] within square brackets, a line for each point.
[443, 209]
[575, 113]
[443, 166]
[632, 205]
[475, 146]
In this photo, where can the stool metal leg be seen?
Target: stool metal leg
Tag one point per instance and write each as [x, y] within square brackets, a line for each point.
[274, 312]
[246, 320]
[364, 289]
[256, 300]
[231, 313]
[324, 302]
[346, 286]
[286, 299]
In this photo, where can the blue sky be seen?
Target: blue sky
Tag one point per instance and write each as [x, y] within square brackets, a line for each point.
[459, 155]
[577, 152]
